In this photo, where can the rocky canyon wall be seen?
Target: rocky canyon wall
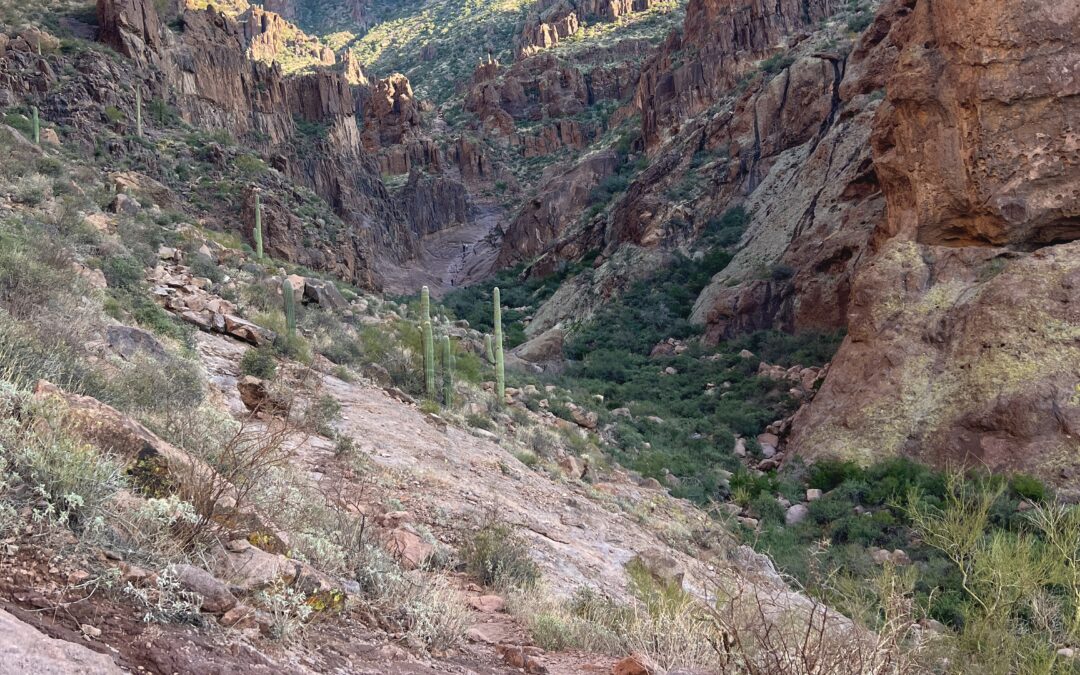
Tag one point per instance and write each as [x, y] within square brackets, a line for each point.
[215, 84]
[964, 329]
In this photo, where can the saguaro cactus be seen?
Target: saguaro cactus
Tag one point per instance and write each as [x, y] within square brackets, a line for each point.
[500, 374]
[138, 112]
[488, 351]
[36, 120]
[428, 342]
[258, 227]
[290, 306]
[448, 372]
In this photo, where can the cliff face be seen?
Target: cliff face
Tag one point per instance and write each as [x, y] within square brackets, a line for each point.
[719, 43]
[208, 72]
[790, 144]
[963, 331]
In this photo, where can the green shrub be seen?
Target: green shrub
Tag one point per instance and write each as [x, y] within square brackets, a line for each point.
[479, 421]
[1028, 487]
[259, 362]
[122, 271]
[498, 556]
[203, 265]
[830, 473]
[322, 414]
[766, 509]
[72, 480]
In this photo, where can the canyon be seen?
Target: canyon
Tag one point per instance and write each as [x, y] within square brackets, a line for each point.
[749, 253]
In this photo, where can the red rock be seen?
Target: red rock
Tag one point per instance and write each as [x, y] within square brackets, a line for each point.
[636, 664]
[410, 549]
[488, 603]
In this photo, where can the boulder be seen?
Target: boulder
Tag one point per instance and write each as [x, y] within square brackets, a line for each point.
[299, 286]
[586, 419]
[256, 395]
[408, 547]
[248, 568]
[796, 513]
[324, 294]
[125, 205]
[661, 566]
[215, 595]
[636, 664]
[128, 342]
[572, 467]
[813, 494]
[488, 604]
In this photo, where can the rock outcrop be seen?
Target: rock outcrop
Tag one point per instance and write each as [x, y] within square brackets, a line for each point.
[962, 335]
[547, 216]
[207, 70]
[725, 37]
[25, 649]
[551, 21]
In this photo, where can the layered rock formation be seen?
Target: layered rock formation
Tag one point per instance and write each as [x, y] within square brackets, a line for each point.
[207, 72]
[723, 39]
[558, 205]
[551, 21]
[962, 337]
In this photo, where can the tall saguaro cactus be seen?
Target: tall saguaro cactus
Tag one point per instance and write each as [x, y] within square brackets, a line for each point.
[290, 306]
[448, 372]
[36, 120]
[258, 227]
[138, 111]
[428, 342]
[500, 374]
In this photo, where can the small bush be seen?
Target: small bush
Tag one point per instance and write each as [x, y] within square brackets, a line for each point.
[122, 271]
[72, 480]
[1028, 487]
[259, 363]
[498, 556]
[322, 414]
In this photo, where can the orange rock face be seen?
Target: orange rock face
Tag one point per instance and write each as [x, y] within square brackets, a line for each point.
[961, 342]
[977, 144]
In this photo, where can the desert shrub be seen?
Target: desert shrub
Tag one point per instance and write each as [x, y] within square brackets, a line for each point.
[203, 265]
[73, 481]
[1028, 487]
[139, 388]
[479, 421]
[166, 601]
[767, 509]
[122, 271]
[259, 362]
[33, 278]
[397, 349]
[288, 609]
[32, 190]
[438, 615]
[527, 458]
[321, 414]
[830, 473]
[498, 556]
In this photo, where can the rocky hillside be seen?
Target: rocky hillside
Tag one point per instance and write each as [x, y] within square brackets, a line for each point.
[755, 258]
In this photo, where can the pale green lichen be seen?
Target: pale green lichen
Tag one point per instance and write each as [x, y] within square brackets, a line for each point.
[995, 349]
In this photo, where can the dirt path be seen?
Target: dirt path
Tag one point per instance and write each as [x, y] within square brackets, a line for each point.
[451, 258]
